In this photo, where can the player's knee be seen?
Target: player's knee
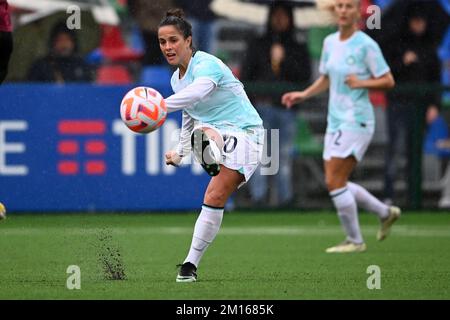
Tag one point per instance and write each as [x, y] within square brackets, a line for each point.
[216, 198]
[329, 182]
[334, 183]
[330, 185]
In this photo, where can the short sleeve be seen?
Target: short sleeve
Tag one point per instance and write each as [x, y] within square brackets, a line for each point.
[209, 69]
[375, 60]
[324, 57]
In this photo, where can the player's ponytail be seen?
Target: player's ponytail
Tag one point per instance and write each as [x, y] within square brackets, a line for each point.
[175, 17]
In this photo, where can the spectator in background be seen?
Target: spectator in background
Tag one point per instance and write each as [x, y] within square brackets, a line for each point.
[444, 201]
[6, 42]
[277, 57]
[148, 15]
[62, 64]
[413, 60]
[437, 131]
[434, 155]
[437, 153]
[202, 19]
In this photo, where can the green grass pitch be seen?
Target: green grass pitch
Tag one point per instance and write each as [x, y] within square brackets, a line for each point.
[272, 255]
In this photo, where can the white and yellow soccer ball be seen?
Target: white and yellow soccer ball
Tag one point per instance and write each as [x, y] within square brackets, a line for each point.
[2, 211]
[143, 109]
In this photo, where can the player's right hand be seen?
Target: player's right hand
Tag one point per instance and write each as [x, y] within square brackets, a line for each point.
[173, 158]
[294, 97]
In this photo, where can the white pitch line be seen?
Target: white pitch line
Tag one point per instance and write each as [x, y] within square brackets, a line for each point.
[402, 231]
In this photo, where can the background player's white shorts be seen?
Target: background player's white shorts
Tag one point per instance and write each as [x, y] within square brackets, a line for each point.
[242, 150]
[342, 144]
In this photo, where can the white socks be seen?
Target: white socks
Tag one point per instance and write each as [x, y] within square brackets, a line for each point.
[367, 201]
[206, 228]
[345, 203]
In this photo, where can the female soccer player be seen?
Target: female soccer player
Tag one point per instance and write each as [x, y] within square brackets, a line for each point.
[218, 122]
[351, 63]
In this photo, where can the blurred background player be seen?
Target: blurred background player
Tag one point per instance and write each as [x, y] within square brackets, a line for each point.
[351, 63]
[218, 122]
[280, 58]
[6, 41]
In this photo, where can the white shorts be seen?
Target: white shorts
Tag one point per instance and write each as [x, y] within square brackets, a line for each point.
[242, 150]
[342, 144]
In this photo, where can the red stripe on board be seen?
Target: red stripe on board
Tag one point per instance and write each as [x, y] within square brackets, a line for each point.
[68, 147]
[81, 127]
[95, 147]
[95, 167]
[68, 167]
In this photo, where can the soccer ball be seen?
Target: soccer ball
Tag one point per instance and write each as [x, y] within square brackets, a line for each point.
[143, 109]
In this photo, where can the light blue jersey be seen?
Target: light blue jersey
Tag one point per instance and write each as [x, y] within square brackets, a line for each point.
[228, 106]
[350, 109]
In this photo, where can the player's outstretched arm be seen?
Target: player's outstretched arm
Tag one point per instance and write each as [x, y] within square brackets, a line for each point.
[193, 93]
[320, 85]
[187, 125]
[385, 82]
[174, 157]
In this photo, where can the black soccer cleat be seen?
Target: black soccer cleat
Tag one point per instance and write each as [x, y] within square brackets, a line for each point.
[187, 273]
[206, 152]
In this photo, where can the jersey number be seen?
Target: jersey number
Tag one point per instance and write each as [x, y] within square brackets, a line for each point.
[230, 144]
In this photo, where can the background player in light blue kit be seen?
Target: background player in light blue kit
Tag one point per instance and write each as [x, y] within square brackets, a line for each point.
[351, 63]
[219, 124]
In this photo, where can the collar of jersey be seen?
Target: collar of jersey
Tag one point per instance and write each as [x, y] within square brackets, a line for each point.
[189, 65]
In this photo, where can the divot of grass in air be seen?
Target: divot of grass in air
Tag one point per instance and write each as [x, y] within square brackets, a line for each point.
[109, 256]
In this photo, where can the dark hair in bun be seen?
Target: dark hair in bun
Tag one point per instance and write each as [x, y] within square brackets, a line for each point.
[176, 12]
[175, 17]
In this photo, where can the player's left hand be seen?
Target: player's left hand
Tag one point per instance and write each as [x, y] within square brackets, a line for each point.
[352, 81]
